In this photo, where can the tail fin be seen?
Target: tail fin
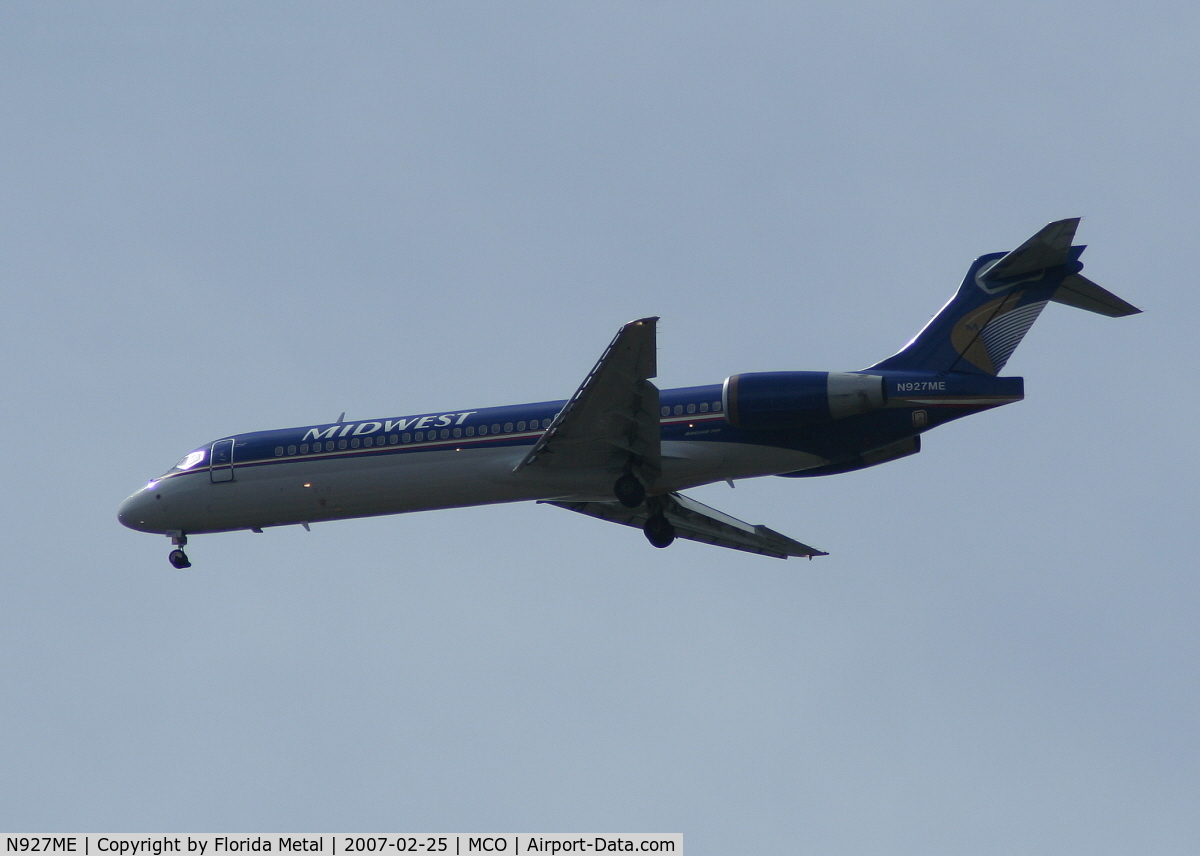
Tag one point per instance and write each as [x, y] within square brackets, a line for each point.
[998, 301]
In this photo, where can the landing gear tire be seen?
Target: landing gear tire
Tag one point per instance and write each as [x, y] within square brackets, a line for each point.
[659, 531]
[179, 559]
[629, 491]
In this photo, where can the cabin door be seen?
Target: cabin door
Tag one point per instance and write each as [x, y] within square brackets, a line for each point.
[220, 468]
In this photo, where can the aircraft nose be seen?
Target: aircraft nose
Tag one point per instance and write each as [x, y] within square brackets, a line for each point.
[135, 511]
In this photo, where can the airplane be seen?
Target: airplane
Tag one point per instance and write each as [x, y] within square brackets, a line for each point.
[620, 449]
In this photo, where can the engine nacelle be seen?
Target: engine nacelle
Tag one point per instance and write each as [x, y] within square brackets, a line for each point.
[769, 400]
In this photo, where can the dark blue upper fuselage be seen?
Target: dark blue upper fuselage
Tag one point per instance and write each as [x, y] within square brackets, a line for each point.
[916, 402]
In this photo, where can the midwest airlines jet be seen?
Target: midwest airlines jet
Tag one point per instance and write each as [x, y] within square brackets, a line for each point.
[620, 449]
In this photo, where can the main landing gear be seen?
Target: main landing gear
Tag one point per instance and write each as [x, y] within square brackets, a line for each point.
[178, 558]
[659, 530]
[630, 492]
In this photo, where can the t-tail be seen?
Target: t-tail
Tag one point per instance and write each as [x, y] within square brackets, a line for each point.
[997, 303]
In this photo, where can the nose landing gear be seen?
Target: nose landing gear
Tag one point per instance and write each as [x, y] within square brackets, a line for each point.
[177, 557]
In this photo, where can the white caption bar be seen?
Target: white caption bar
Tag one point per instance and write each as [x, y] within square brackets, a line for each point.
[342, 844]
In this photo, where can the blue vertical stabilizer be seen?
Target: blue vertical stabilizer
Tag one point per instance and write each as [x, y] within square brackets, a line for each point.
[998, 301]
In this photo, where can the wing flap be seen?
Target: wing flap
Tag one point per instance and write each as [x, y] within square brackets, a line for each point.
[696, 521]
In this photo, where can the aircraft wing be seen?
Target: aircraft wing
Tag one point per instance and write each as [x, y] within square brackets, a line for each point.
[697, 522]
[612, 418]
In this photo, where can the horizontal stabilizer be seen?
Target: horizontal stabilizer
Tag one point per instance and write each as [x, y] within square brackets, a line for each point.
[1079, 291]
[697, 522]
[1048, 248]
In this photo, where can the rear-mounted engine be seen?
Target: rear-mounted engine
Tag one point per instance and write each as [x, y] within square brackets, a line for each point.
[773, 400]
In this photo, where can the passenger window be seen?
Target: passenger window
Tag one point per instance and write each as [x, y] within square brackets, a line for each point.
[341, 444]
[407, 438]
[457, 432]
[704, 407]
[691, 408]
[496, 428]
[521, 425]
[394, 439]
[420, 436]
[445, 433]
[304, 449]
[291, 450]
[678, 409]
[508, 426]
[354, 441]
[666, 411]
[367, 441]
[716, 405]
[316, 447]
[278, 451]
[482, 429]
[470, 432]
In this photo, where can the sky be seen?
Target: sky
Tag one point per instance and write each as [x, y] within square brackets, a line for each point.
[226, 217]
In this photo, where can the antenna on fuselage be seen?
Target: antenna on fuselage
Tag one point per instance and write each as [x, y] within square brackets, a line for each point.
[342, 418]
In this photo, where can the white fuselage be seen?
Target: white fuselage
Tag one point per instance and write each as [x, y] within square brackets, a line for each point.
[296, 490]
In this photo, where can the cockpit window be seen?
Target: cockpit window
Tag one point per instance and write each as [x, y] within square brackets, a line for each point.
[191, 460]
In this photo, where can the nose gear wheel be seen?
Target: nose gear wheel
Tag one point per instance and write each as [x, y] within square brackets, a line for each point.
[177, 557]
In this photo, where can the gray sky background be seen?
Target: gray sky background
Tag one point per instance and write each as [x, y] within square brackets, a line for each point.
[230, 217]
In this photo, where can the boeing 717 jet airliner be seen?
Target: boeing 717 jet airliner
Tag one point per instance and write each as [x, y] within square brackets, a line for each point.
[620, 449]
